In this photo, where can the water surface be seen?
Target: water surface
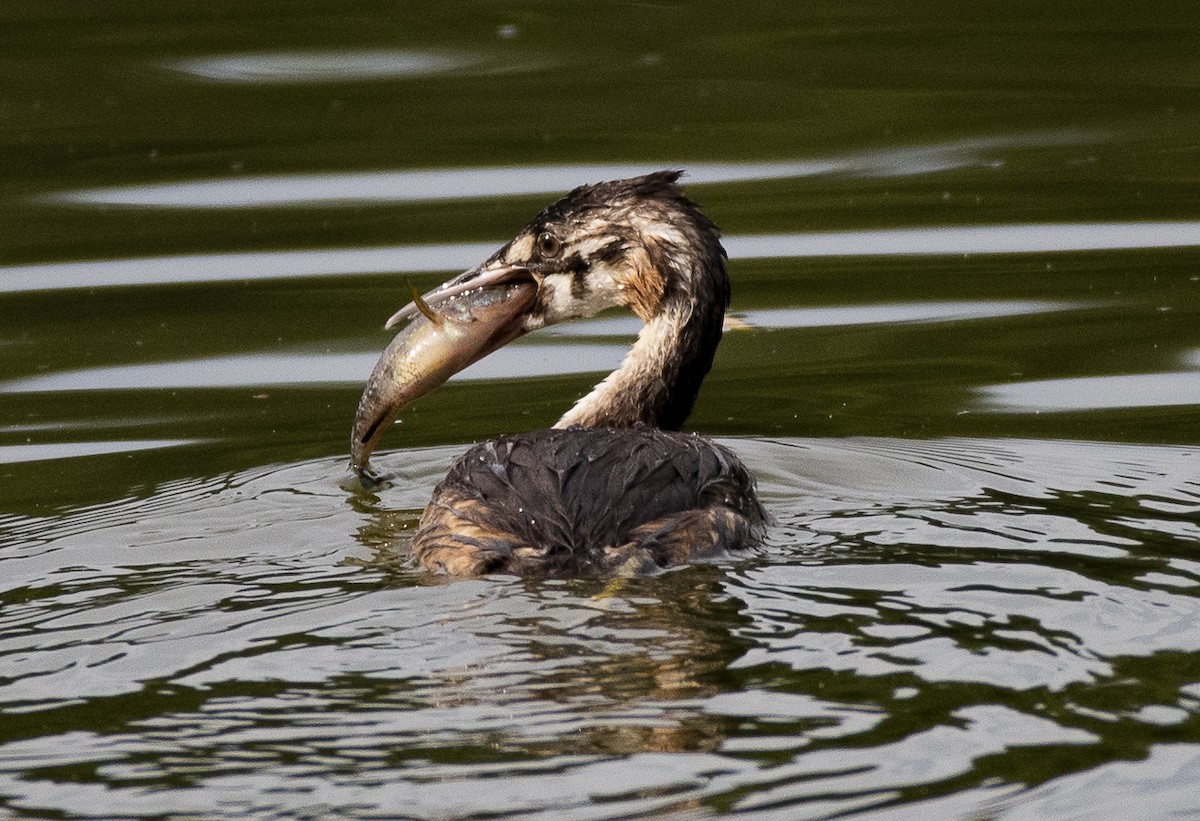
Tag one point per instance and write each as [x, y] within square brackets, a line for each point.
[965, 247]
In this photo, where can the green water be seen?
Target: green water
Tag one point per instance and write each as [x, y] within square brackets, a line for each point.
[965, 249]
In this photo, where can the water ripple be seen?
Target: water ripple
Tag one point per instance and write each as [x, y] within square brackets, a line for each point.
[539, 356]
[324, 66]
[260, 265]
[11, 454]
[944, 603]
[273, 369]
[442, 184]
[1018, 626]
[1087, 393]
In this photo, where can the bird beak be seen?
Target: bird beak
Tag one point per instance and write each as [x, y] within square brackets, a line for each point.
[483, 276]
[452, 326]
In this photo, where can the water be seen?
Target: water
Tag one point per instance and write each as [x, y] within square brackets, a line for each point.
[965, 246]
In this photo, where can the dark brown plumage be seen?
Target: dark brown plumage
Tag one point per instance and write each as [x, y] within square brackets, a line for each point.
[613, 486]
[576, 501]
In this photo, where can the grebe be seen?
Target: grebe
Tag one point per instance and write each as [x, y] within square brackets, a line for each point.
[614, 485]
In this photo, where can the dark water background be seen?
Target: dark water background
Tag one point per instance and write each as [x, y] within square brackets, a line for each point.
[965, 241]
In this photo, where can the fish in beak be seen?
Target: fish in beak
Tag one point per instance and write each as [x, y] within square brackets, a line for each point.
[449, 328]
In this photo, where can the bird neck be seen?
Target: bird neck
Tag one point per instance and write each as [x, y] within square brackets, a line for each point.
[660, 377]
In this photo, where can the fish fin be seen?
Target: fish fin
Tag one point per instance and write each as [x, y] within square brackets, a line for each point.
[423, 306]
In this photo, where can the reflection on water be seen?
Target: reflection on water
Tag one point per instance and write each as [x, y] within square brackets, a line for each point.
[323, 66]
[981, 239]
[256, 265]
[899, 312]
[220, 640]
[10, 454]
[440, 184]
[541, 356]
[1139, 390]
[939, 241]
[262, 370]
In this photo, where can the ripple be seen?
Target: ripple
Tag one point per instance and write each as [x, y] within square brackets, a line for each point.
[441, 184]
[428, 258]
[1029, 626]
[844, 779]
[1083, 393]
[12, 454]
[525, 361]
[269, 369]
[235, 632]
[419, 185]
[837, 316]
[974, 239]
[897, 475]
[1163, 785]
[932, 311]
[235, 267]
[285, 67]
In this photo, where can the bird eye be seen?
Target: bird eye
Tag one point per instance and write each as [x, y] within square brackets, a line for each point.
[548, 245]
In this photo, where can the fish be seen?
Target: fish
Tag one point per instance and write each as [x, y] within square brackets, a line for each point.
[440, 339]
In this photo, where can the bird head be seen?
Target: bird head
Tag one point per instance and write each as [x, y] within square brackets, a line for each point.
[638, 243]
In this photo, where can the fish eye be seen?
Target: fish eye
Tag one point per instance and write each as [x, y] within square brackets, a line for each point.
[548, 245]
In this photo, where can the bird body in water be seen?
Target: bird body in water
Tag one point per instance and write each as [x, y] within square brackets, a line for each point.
[614, 485]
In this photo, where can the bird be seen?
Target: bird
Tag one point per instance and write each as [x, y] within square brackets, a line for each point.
[614, 486]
